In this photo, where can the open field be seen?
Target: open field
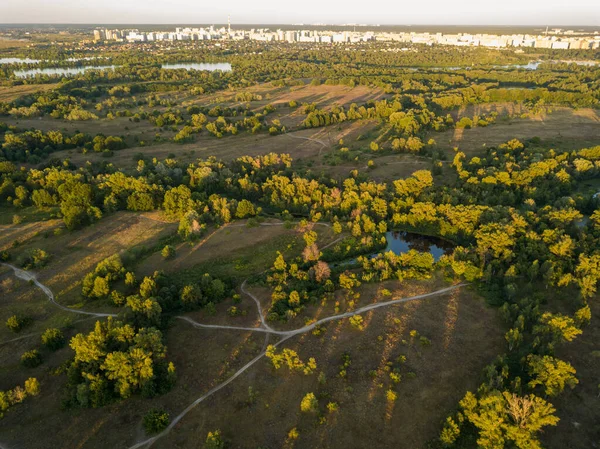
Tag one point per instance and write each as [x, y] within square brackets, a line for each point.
[74, 254]
[461, 344]
[234, 251]
[562, 129]
[10, 93]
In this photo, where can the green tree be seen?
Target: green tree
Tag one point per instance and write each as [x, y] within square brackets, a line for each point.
[155, 421]
[31, 359]
[551, 373]
[309, 403]
[214, 440]
[53, 339]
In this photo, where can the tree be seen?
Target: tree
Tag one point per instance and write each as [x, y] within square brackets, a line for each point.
[214, 440]
[551, 373]
[155, 421]
[15, 323]
[53, 339]
[191, 296]
[322, 271]
[504, 417]
[168, 252]
[178, 201]
[309, 403]
[32, 386]
[245, 209]
[31, 359]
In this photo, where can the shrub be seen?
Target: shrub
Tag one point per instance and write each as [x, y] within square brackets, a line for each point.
[15, 323]
[156, 421]
[31, 359]
[53, 339]
[214, 440]
[32, 386]
[309, 403]
[168, 252]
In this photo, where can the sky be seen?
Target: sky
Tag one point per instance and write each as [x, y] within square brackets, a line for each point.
[385, 12]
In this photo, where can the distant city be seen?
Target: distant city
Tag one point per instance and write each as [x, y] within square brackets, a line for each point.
[551, 39]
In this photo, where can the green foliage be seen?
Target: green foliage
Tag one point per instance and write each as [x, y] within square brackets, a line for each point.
[53, 339]
[31, 359]
[156, 421]
[15, 323]
[214, 440]
[168, 252]
[551, 373]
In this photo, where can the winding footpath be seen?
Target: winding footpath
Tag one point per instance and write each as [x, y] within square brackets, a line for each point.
[30, 277]
[285, 335]
[323, 144]
[262, 328]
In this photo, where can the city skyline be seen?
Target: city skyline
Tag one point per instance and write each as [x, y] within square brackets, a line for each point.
[384, 12]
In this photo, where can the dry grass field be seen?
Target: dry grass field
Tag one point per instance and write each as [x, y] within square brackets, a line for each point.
[74, 254]
[464, 334]
[10, 93]
[563, 128]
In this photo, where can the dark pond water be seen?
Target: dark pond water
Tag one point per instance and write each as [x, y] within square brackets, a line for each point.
[402, 242]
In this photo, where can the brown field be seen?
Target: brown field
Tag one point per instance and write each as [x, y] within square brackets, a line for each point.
[74, 254]
[465, 335]
[563, 128]
[10, 93]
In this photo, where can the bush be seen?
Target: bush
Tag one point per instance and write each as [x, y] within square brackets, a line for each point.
[156, 421]
[31, 359]
[53, 339]
[15, 323]
[309, 403]
[168, 252]
[214, 440]
[32, 386]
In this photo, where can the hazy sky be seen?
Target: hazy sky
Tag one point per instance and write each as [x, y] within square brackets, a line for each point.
[459, 12]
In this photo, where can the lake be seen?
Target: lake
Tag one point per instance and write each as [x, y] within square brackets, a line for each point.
[70, 71]
[402, 242]
[62, 71]
[18, 60]
[210, 66]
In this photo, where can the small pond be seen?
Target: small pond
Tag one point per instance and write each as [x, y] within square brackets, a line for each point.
[402, 242]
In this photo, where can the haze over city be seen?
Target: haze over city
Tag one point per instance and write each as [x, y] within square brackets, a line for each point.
[510, 12]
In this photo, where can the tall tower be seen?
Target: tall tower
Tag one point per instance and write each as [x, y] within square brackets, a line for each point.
[229, 24]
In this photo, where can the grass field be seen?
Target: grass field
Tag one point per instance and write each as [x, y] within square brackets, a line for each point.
[562, 129]
[10, 93]
[232, 251]
[73, 254]
[464, 336]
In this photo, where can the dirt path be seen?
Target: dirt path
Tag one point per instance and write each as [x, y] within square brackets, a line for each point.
[30, 277]
[263, 328]
[323, 144]
[285, 335]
